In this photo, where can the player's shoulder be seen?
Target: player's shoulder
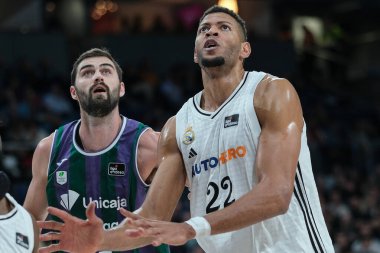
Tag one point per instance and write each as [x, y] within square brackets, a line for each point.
[273, 89]
[44, 145]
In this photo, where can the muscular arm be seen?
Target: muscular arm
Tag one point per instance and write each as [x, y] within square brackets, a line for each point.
[164, 192]
[147, 155]
[279, 111]
[35, 201]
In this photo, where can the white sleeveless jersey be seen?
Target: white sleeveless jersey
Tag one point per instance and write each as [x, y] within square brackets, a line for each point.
[16, 230]
[219, 151]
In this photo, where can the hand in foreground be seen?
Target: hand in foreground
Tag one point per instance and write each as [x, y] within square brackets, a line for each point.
[170, 233]
[74, 235]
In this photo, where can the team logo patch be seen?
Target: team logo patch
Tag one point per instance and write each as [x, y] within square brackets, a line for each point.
[232, 120]
[61, 177]
[22, 240]
[188, 136]
[116, 169]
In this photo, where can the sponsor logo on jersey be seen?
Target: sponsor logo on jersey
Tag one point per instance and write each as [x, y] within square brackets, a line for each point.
[109, 225]
[192, 153]
[224, 157]
[68, 200]
[61, 162]
[188, 136]
[232, 120]
[61, 177]
[106, 203]
[116, 169]
[22, 240]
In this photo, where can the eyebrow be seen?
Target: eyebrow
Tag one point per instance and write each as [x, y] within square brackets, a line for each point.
[218, 23]
[101, 65]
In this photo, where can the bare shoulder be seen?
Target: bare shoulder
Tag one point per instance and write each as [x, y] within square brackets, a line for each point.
[42, 154]
[276, 97]
[168, 134]
[272, 89]
[149, 139]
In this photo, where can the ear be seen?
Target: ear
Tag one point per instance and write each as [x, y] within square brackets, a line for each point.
[73, 92]
[122, 89]
[245, 50]
[195, 57]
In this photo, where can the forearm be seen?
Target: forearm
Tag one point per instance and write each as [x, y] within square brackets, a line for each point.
[116, 240]
[253, 207]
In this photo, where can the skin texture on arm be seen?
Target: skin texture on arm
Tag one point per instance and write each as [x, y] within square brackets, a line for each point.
[280, 115]
[35, 201]
[147, 155]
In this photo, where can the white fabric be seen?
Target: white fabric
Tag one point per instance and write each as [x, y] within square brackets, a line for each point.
[16, 230]
[219, 151]
[200, 225]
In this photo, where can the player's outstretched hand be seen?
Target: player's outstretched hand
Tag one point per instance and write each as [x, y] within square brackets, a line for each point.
[74, 234]
[170, 233]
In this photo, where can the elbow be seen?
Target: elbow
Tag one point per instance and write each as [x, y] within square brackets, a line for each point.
[283, 201]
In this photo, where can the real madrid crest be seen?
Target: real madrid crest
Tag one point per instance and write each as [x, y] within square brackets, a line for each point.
[188, 136]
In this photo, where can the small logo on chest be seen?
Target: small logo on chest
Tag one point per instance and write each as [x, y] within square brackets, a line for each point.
[232, 120]
[116, 169]
[192, 153]
[188, 136]
[22, 240]
[61, 177]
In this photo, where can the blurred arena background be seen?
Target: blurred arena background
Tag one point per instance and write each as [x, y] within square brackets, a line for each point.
[328, 49]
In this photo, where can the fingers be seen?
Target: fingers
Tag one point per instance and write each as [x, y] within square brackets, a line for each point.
[157, 242]
[90, 211]
[134, 232]
[52, 225]
[50, 248]
[50, 236]
[129, 214]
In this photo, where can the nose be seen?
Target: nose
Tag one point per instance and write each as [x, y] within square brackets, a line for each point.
[98, 77]
[213, 31]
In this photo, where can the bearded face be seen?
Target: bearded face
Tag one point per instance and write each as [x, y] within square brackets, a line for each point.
[100, 100]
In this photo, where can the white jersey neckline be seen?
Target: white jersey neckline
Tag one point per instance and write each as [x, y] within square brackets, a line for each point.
[197, 99]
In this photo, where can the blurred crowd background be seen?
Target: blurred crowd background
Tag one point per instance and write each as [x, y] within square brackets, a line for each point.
[328, 49]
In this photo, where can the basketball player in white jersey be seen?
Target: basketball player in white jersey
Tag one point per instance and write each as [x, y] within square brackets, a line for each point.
[241, 145]
[18, 230]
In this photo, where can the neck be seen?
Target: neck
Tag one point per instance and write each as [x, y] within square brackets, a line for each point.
[218, 86]
[5, 206]
[98, 133]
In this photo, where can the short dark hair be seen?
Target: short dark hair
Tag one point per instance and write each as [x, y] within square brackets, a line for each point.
[217, 8]
[95, 52]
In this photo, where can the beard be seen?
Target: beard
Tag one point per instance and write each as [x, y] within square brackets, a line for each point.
[96, 105]
[214, 62]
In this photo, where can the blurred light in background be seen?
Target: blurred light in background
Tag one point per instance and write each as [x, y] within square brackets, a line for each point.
[230, 4]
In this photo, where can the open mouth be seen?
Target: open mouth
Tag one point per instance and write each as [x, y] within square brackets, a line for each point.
[99, 89]
[210, 44]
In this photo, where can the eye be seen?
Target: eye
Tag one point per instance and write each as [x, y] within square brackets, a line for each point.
[225, 28]
[106, 71]
[204, 29]
[88, 73]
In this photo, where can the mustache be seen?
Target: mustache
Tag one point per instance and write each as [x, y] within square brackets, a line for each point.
[98, 85]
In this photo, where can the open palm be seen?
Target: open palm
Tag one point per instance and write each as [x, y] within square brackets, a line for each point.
[73, 235]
